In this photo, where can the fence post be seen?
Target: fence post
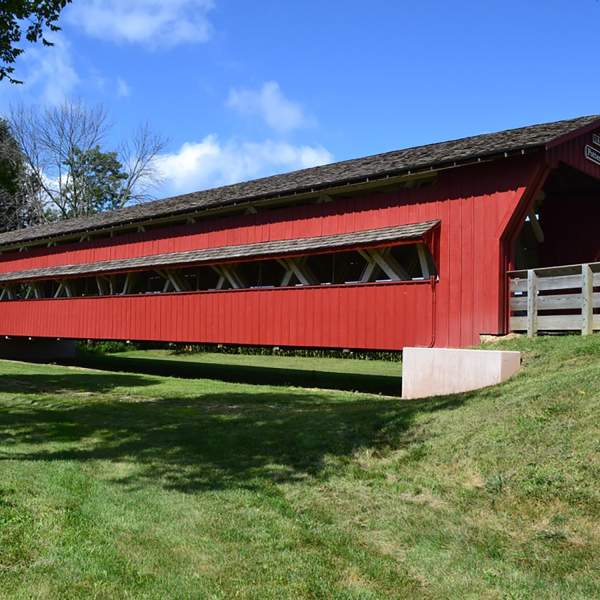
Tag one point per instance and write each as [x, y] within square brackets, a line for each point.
[532, 316]
[587, 300]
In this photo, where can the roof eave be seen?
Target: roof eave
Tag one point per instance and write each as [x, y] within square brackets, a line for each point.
[338, 187]
[561, 139]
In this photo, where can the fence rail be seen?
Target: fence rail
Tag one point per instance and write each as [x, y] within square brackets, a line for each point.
[565, 298]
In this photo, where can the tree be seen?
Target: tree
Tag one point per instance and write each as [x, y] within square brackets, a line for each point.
[62, 148]
[37, 15]
[97, 182]
[18, 205]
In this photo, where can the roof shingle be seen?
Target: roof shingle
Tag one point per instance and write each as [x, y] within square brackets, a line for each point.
[413, 231]
[396, 162]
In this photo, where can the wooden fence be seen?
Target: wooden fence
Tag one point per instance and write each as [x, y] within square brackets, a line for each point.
[555, 299]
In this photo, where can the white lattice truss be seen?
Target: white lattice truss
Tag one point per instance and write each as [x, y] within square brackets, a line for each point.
[296, 271]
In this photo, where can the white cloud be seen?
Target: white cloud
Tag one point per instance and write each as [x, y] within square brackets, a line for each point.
[123, 88]
[210, 163]
[48, 73]
[149, 22]
[270, 104]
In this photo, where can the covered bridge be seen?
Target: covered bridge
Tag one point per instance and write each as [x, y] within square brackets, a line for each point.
[415, 247]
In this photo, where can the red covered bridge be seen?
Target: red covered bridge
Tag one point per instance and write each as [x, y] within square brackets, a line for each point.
[411, 247]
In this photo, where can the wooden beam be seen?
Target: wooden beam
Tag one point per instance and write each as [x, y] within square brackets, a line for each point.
[388, 264]
[560, 282]
[168, 281]
[587, 300]
[128, 285]
[37, 290]
[554, 301]
[538, 232]
[422, 252]
[7, 293]
[101, 284]
[179, 283]
[288, 274]
[233, 277]
[369, 269]
[552, 323]
[532, 316]
[300, 269]
[229, 274]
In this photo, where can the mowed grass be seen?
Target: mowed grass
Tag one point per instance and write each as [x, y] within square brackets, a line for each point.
[116, 485]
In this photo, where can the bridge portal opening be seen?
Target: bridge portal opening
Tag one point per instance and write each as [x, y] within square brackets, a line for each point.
[563, 225]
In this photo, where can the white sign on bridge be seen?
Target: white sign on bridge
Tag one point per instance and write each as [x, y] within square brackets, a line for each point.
[592, 154]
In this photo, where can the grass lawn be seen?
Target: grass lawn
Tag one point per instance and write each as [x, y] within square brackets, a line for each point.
[373, 376]
[117, 485]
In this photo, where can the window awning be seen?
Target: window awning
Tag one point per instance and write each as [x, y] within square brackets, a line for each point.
[338, 242]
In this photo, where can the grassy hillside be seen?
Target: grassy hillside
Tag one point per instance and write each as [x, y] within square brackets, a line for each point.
[124, 485]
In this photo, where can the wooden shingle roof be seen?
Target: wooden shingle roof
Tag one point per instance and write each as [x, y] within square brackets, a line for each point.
[347, 172]
[368, 237]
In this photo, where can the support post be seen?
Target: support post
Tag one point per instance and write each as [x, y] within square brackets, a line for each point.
[587, 300]
[37, 290]
[538, 232]
[532, 316]
[129, 284]
[423, 260]
[101, 282]
[369, 269]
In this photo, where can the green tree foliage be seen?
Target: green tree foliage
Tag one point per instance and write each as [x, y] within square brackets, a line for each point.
[24, 20]
[10, 160]
[97, 182]
[18, 198]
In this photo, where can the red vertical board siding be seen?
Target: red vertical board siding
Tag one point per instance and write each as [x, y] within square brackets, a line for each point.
[572, 152]
[470, 202]
[170, 317]
[341, 216]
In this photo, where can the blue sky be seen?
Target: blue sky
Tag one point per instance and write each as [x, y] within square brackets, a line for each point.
[245, 89]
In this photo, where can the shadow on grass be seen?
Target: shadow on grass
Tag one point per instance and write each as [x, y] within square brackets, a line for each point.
[213, 441]
[87, 383]
[374, 384]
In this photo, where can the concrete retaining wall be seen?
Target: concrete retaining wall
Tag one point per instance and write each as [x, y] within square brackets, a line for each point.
[440, 371]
